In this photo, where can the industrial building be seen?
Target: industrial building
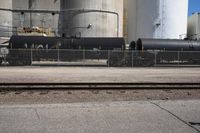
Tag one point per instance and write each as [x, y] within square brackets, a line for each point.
[130, 19]
[194, 26]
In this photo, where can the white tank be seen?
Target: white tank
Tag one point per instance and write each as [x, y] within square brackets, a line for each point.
[5, 18]
[194, 26]
[173, 19]
[92, 24]
[147, 15]
[157, 19]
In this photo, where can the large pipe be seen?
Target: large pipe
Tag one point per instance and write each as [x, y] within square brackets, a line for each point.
[167, 44]
[102, 43]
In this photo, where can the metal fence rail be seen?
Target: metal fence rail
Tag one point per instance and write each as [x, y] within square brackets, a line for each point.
[114, 58]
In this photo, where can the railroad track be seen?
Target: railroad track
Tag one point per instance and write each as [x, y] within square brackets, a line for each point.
[49, 86]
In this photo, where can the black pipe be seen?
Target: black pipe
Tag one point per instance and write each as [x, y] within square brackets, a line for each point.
[167, 44]
[102, 43]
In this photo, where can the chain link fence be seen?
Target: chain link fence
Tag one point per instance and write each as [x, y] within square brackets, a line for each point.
[109, 58]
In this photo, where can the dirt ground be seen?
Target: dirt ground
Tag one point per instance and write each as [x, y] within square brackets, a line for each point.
[72, 96]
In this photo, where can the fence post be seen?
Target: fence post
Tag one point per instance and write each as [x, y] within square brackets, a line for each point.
[155, 60]
[58, 56]
[108, 58]
[178, 57]
[4, 56]
[31, 57]
[132, 58]
[84, 57]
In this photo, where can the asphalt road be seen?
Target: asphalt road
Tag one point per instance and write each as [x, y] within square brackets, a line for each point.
[99, 74]
[104, 117]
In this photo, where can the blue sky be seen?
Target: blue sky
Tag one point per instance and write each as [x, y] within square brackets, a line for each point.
[194, 6]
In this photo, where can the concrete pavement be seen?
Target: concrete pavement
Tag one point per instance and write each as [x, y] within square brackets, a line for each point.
[105, 117]
[99, 74]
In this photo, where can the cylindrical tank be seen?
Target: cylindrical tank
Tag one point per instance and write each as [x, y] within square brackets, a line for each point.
[90, 23]
[5, 19]
[42, 20]
[104, 43]
[173, 19]
[131, 20]
[167, 44]
[164, 19]
[147, 13]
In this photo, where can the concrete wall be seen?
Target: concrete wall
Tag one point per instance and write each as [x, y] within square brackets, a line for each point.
[36, 19]
[5, 18]
[103, 24]
[147, 14]
[131, 26]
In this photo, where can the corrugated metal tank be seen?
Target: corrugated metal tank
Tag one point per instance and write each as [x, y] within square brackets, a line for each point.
[5, 18]
[36, 19]
[103, 24]
[165, 19]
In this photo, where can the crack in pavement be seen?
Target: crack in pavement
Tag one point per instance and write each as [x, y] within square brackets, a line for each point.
[177, 117]
[194, 123]
[36, 112]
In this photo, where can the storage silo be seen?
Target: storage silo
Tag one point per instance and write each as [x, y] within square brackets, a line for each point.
[42, 20]
[88, 19]
[194, 26]
[147, 15]
[173, 19]
[165, 19]
[5, 19]
[130, 28]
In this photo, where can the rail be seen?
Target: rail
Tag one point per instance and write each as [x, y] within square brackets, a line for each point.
[71, 86]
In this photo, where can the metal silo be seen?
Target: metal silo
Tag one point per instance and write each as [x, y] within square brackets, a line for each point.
[157, 19]
[5, 18]
[92, 18]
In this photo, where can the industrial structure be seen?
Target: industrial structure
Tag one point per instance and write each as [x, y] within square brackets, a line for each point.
[165, 19]
[194, 26]
[92, 18]
[6, 18]
[131, 19]
[88, 18]
[124, 33]
[23, 50]
[47, 22]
